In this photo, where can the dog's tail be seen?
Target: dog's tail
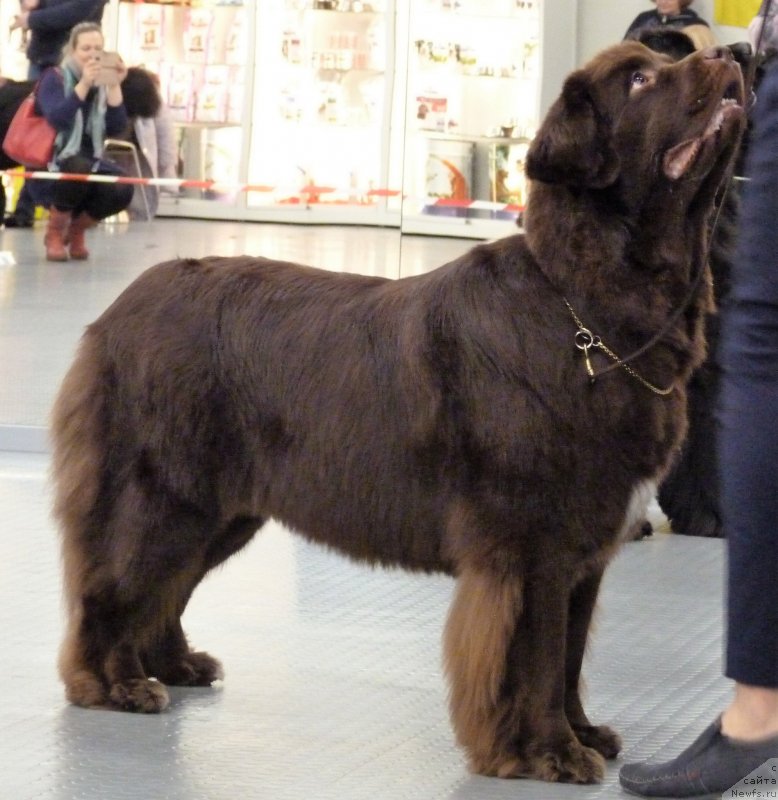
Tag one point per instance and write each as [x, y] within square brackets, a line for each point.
[477, 638]
[77, 426]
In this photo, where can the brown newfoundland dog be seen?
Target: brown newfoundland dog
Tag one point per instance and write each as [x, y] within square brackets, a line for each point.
[447, 422]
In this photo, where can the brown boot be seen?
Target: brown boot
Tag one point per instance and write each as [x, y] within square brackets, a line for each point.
[56, 232]
[76, 235]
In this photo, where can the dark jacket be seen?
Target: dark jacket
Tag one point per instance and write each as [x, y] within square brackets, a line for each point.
[60, 110]
[50, 26]
[653, 19]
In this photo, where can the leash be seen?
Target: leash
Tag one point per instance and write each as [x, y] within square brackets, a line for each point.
[585, 340]
[695, 284]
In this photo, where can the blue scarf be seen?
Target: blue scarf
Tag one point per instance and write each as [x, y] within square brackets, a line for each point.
[68, 142]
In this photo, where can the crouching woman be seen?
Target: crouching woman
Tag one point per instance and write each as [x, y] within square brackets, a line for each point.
[83, 113]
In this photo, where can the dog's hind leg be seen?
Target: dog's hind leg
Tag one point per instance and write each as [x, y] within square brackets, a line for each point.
[79, 448]
[169, 658]
[126, 579]
[582, 603]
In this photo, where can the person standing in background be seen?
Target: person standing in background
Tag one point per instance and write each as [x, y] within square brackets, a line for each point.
[674, 14]
[48, 24]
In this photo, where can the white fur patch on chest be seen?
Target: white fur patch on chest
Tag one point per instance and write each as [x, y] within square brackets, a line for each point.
[637, 508]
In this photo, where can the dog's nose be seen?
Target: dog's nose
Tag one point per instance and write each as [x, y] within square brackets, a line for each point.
[717, 51]
[742, 53]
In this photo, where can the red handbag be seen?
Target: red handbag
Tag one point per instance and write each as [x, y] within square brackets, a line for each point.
[30, 139]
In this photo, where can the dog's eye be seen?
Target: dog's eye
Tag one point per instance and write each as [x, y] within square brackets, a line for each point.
[638, 80]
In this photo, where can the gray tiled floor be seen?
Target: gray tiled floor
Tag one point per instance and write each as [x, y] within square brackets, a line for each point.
[334, 687]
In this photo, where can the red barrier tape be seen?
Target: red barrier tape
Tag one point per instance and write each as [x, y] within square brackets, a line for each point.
[311, 190]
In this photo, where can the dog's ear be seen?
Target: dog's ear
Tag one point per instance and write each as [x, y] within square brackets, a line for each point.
[573, 146]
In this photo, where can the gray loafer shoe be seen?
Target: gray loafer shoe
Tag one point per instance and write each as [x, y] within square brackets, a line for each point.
[709, 766]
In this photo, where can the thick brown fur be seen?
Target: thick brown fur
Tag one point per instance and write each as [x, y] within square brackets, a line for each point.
[444, 422]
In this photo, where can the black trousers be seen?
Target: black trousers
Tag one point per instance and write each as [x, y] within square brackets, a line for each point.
[748, 444]
[99, 200]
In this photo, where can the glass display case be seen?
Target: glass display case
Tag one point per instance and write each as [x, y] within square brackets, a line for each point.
[475, 72]
[408, 113]
[202, 54]
[320, 143]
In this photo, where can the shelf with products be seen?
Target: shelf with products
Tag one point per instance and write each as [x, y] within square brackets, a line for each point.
[347, 113]
[199, 52]
[473, 103]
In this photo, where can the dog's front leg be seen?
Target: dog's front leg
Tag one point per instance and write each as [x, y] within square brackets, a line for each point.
[505, 657]
[535, 684]
[583, 599]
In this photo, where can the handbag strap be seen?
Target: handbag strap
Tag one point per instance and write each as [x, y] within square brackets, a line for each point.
[34, 91]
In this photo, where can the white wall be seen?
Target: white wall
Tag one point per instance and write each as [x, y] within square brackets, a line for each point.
[603, 22]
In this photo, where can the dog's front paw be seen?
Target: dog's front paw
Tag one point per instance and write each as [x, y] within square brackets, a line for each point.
[191, 669]
[600, 738]
[571, 762]
[84, 688]
[139, 694]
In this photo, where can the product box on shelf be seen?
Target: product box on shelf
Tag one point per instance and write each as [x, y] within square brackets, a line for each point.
[431, 112]
[182, 82]
[236, 50]
[211, 104]
[197, 35]
[149, 32]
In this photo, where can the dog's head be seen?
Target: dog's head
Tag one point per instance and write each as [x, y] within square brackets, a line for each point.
[632, 117]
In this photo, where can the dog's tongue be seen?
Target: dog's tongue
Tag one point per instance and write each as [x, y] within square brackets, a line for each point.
[679, 158]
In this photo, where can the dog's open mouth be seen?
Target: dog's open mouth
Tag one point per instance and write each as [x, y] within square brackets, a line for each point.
[678, 159]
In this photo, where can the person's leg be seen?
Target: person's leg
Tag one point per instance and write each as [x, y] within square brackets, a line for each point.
[749, 445]
[753, 713]
[749, 442]
[100, 201]
[23, 216]
[66, 197]
[55, 238]
[746, 735]
[71, 196]
[105, 199]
